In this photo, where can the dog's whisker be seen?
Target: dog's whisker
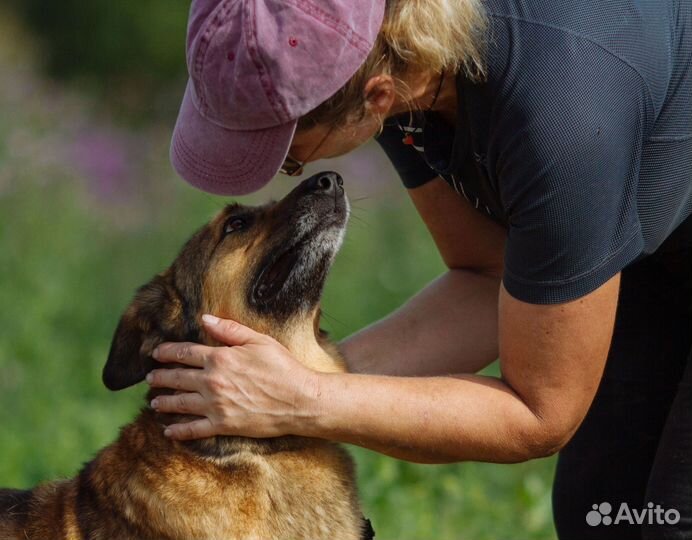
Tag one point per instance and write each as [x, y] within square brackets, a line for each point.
[332, 318]
[359, 208]
[359, 220]
[357, 217]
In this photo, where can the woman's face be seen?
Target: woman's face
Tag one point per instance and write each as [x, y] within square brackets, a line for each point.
[324, 141]
[321, 142]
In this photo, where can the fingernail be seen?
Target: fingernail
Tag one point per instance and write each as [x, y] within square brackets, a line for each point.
[155, 353]
[150, 378]
[154, 403]
[210, 319]
[167, 432]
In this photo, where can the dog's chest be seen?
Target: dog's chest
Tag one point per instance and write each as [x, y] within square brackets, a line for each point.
[296, 493]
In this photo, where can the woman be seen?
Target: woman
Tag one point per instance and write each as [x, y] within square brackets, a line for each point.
[547, 146]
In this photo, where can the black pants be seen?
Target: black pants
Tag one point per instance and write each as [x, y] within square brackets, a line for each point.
[635, 445]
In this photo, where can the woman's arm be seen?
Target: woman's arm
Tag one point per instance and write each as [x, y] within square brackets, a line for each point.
[552, 359]
[450, 326]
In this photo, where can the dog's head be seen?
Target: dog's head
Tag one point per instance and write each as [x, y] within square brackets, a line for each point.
[264, 267]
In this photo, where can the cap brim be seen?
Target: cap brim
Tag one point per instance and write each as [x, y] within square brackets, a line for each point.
[225, 162]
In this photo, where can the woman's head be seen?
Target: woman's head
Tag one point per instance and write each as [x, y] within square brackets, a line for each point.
[416, 36]
[268, 73]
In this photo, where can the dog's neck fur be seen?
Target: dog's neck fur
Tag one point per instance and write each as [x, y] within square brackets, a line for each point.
[300, 335]
[306, 345]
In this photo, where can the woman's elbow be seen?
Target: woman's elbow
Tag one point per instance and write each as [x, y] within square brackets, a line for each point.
[547, 438]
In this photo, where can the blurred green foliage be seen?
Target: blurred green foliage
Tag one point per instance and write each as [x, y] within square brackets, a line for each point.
[128, 51]
[105, 39]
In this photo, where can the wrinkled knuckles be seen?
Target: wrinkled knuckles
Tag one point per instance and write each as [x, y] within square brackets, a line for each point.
[176, 381]
[230, 328]
[215, 383]
[215, 359]
[218, 403]
[182, 352]
[182, 403]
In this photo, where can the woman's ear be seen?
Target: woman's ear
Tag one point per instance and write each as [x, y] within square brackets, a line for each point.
[155, 315]
[380, 95]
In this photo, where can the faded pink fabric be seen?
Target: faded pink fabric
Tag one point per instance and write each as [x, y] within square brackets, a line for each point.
[255, 67]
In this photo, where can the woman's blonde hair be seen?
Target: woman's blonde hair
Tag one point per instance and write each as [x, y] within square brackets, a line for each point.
[416, 35]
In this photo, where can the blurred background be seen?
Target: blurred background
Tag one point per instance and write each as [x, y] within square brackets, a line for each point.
[90, 209]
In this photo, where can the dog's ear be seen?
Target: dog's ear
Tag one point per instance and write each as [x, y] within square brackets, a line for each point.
[155, 315]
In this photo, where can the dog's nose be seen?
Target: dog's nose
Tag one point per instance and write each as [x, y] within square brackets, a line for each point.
[325, 182]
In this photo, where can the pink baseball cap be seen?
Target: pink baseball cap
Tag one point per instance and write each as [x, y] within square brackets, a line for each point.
[255, 67]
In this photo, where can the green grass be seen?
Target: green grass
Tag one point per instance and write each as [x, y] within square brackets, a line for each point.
[69, 267]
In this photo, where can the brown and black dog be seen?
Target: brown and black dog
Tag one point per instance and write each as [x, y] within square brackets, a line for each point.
[264, 267]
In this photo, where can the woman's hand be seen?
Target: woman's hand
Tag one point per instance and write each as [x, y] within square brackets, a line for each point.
[253, 388]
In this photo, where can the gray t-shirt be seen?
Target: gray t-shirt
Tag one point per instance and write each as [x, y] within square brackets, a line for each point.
[580, 140]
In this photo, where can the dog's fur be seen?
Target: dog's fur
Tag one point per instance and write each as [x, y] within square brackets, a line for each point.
[264, 267]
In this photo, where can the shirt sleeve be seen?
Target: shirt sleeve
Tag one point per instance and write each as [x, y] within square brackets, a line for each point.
[408, 162]
[568, 147]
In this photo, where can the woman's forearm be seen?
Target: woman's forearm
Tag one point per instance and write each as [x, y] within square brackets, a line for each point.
[428, 420]
[448, 327]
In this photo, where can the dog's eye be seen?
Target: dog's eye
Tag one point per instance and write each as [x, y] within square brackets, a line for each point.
[234, 224]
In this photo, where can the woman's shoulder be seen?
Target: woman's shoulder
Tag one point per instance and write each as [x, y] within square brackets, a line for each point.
[636, 33]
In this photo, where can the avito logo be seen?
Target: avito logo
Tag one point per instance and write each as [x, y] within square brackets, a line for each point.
[651, 515]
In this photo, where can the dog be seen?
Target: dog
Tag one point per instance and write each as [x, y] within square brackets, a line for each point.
[264, 267]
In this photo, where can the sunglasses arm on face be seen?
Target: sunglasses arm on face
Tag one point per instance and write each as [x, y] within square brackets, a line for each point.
[293, 167]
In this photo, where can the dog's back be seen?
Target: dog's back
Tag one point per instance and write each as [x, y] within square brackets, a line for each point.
[14, 508]
[42, 512]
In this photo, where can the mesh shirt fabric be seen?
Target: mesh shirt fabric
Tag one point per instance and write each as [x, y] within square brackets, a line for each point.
[579, 141]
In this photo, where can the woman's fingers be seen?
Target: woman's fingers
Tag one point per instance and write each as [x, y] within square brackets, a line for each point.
[190, 403]
[191, 354]
[231, 332]
[177, 379]
[197, 429]
[250, 387]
